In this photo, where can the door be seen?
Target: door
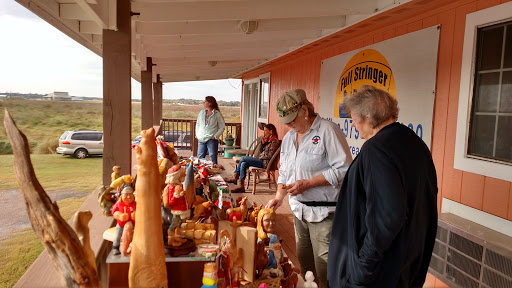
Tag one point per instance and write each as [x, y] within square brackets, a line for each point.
[250, 112]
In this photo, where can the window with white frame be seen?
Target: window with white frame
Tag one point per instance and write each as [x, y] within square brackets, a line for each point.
[491, 113]
[484, 123]
[264, 98]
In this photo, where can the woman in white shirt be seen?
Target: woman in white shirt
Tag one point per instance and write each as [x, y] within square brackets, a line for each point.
[209, 126]
[314, 159]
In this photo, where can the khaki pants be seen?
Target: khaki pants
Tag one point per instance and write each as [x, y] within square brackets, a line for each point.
[312, 245]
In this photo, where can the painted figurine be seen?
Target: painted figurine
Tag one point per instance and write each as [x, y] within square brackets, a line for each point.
[266, 222]
[123, 211]
[266, 233]
[107, 198]
[176, 197]
[242, 209]
[210, 275]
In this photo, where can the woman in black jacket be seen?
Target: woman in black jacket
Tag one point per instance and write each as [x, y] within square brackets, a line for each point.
[385, 224]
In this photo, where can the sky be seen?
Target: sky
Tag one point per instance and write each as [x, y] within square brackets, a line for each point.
[37, 58]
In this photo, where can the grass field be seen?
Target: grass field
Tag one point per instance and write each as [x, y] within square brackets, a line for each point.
[55, 173]
[22, 249]
[44, 121]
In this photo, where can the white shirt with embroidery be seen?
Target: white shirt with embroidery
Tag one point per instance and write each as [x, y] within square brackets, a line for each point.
[322, 150]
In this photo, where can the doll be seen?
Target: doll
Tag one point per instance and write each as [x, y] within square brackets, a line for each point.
[123, 211]
[176, 197]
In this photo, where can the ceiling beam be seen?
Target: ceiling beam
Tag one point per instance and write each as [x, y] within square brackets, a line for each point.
[237, 10]
[232, 26]
[156, 40]
[235, 54]
[223, 46]
[73, 11]
[90, 27]
[219, 66]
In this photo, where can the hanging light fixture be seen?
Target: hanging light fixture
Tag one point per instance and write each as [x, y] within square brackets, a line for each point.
[248, 26]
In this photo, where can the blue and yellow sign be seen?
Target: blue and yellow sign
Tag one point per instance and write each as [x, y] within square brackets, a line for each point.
[368, 67]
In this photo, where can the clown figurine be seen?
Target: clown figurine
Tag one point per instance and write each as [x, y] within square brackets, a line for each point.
[177, 199]
[123, 211]
[210, 275]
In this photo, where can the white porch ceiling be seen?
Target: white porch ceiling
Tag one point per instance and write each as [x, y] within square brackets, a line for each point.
[191, 40]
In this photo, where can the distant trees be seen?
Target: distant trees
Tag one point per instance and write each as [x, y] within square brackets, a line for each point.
[200, 102]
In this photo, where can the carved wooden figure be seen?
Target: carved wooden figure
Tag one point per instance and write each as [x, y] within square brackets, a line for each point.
[253, 217]
[233, 254]
[116, 173]
[242, 209]
[147, 263]
[70, 255]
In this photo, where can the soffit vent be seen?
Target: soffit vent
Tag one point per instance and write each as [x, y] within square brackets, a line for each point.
[472, 256]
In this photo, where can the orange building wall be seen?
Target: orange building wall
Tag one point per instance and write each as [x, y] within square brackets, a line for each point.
[303, 71]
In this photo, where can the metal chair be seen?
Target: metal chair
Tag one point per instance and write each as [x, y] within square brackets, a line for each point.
[270, 171]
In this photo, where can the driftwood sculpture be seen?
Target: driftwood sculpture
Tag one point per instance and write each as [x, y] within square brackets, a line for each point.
[147, 263]
[71, 258]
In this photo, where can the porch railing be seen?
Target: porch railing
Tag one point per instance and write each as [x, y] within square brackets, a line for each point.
[182, 133]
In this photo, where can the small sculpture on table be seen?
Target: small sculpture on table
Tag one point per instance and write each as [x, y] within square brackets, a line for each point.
[266, 234]
[242, 210]
[253, 216]
[210, 275]
[310, 280]
[124, 212]
[116, 173]
[107, 198]
[231, 260]
[174, 196]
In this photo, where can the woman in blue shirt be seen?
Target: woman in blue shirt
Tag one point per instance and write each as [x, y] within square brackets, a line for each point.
[209, 126]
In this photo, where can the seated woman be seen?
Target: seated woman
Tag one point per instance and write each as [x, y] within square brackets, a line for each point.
[266, 147]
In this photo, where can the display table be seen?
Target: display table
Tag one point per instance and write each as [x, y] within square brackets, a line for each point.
[182, 271]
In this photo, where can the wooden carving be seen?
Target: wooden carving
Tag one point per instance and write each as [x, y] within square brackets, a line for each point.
[242, 209]
[71, 258]
[147, 264]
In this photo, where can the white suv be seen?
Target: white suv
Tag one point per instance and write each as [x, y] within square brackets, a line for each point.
[81, 143]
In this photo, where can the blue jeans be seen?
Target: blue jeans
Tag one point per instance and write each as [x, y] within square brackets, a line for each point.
[245, 163]
[212, 145]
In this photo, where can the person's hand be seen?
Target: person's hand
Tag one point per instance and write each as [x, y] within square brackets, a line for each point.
[274, 204]
[297, 187]
[124, 217]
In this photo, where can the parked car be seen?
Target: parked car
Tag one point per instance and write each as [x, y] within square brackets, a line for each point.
[81, 143]
[177, 138]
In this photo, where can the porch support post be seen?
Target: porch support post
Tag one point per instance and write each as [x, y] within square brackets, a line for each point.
[147, 95]
[117, 106]
[157, 106]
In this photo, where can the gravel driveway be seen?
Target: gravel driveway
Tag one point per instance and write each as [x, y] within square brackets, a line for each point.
[13, 214]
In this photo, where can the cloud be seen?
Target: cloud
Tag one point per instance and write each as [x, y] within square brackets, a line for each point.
[38, 58]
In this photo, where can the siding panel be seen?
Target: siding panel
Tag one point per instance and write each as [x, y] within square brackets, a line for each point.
[472, 193]
[496, 197]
